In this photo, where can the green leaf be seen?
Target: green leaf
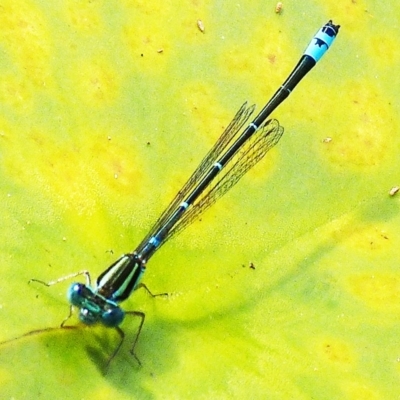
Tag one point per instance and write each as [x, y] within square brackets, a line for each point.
[288, 288]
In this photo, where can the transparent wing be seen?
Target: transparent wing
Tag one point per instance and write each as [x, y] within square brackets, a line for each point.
[266, 137]
[226, 139]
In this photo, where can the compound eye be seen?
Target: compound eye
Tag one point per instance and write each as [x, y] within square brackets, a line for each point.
[76, 294]
[112, 317]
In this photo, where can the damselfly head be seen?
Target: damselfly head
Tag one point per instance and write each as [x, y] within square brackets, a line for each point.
[93, 307]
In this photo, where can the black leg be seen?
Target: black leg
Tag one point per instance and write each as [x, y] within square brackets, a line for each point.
[142, 285]
[121, 334]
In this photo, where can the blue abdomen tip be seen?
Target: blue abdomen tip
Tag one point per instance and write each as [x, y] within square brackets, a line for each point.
[322, 41]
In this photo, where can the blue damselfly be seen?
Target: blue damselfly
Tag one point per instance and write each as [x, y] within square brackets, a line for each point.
[234, 153]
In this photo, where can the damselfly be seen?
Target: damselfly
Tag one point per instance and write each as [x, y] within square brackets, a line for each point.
[234, 153]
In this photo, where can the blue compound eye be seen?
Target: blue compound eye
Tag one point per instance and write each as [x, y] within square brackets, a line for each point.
[76, 295]
[112, 317]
